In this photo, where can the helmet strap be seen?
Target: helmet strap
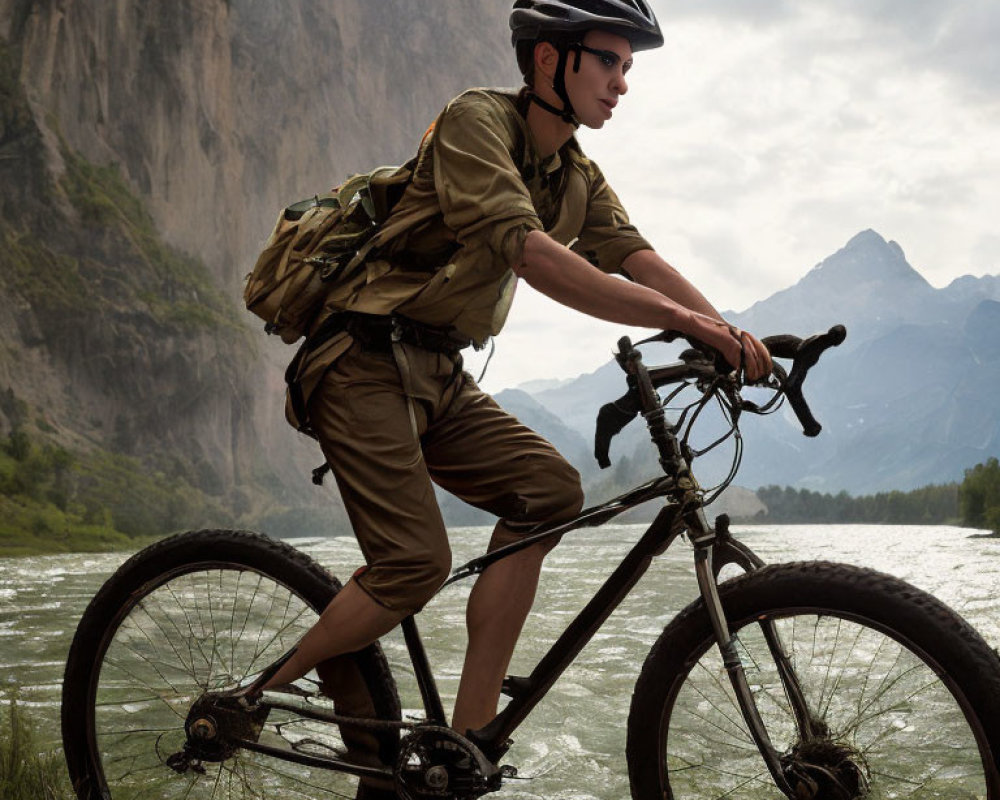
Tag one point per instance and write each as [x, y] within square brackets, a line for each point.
[566, 113]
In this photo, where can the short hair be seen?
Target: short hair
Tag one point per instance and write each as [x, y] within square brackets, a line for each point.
[525, 51]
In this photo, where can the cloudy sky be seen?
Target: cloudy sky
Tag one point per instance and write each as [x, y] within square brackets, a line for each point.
[766, 133]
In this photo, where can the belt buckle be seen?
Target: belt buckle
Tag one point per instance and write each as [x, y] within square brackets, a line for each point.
[397, 332]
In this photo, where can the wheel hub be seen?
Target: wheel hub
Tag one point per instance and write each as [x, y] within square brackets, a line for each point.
[217, 723]
[822, 769]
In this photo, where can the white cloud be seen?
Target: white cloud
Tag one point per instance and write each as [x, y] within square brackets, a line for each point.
[765, 134]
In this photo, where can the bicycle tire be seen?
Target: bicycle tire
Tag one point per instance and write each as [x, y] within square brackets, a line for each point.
[910, 692]
[199, 610]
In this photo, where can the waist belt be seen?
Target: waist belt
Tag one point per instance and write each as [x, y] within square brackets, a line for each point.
[379, 333]
[375, 333]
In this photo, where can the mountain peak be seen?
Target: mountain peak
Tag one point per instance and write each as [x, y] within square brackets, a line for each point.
[867, 238]
[871, 240]
[867, 259]
[868, 282]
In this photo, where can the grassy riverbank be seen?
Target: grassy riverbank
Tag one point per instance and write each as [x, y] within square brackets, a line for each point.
[27, 771]
[33, 528]
[57, 500]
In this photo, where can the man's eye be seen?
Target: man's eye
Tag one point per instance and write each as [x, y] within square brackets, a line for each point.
[608, 59]
[626, 66]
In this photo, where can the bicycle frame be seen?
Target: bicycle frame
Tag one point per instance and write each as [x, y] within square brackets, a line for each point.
[713, 548]
[683, 513]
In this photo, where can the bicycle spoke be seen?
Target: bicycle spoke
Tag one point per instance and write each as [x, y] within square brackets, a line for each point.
[181, 622]
[875, 697]
[155, 620]
[833, 692]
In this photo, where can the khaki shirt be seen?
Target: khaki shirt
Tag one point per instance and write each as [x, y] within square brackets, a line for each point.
[478, 188]
[446, 253]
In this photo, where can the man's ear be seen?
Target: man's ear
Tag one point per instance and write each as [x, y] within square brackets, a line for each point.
[546, 62]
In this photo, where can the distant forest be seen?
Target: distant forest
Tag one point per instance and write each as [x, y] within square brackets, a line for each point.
[974, 503]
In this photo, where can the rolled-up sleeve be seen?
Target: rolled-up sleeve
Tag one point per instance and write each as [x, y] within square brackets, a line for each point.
[482, 195]
[607, 237]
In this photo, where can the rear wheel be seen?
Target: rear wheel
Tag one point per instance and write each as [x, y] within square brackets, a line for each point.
[199, 613]
[904, 694]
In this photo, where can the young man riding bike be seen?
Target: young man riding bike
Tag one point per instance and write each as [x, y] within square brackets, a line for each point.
[501, 191]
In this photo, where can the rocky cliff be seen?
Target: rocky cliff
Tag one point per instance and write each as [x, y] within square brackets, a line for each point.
[145, 147]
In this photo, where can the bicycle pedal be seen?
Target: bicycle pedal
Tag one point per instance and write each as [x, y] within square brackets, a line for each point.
[514, 686]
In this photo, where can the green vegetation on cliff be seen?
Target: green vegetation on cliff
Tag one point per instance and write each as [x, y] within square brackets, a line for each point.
[176, 288]
[111, 257]
[85, 241]
[52, 500]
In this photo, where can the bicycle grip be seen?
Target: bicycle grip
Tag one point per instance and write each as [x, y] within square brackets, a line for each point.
[783, 345]
[810, 427]
[610, 420]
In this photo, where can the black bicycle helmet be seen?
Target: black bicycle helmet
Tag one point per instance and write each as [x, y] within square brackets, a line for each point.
[532, 20]
[561, 21]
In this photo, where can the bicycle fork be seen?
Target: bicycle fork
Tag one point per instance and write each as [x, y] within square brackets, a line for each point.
[703, 539]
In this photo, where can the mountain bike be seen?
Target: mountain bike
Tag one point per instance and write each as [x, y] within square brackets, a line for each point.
[798, 680]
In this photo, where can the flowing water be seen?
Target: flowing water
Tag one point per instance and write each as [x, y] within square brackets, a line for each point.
[573, 745]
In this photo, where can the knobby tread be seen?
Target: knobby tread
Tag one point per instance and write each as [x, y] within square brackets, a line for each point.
[272, 557]
[923, 621]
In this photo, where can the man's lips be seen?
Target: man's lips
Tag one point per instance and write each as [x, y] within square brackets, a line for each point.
[610, 104]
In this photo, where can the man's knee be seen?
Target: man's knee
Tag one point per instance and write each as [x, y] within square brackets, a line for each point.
[564, 498]
[558, 498]
[408, 585]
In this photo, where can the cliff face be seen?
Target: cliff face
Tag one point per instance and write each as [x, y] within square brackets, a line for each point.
[145, 148]
[221, 112]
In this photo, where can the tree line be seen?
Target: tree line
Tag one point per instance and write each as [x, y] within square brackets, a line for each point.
[980, 496]
[974, 503]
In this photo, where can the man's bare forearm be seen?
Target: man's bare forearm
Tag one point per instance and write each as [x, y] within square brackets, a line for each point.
[649, 269]
[561, 274]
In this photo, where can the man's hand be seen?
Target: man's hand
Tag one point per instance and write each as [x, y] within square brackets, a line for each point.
[735, 345]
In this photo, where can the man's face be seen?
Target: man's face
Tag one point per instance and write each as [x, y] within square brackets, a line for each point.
[595, 89]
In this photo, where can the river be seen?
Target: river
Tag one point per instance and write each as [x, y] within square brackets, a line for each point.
[573, 745]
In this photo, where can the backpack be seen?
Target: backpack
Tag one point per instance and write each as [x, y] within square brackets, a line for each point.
[318, 248]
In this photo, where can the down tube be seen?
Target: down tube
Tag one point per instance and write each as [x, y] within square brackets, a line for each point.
[527, 692]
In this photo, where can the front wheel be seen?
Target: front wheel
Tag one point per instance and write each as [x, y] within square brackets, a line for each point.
[192, 615]
[904, 695]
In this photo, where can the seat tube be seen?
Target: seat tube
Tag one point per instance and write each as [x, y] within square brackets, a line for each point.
[422, 670]
[703, 539]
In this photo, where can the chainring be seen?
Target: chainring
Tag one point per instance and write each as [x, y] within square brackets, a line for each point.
[435, 762]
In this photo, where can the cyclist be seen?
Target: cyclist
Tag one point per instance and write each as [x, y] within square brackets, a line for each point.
[501, 188]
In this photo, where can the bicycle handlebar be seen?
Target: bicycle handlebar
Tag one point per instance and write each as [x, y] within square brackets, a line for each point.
[705, 363]
[804, 355]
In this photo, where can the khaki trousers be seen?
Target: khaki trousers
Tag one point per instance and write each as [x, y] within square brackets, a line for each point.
[464, 442]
